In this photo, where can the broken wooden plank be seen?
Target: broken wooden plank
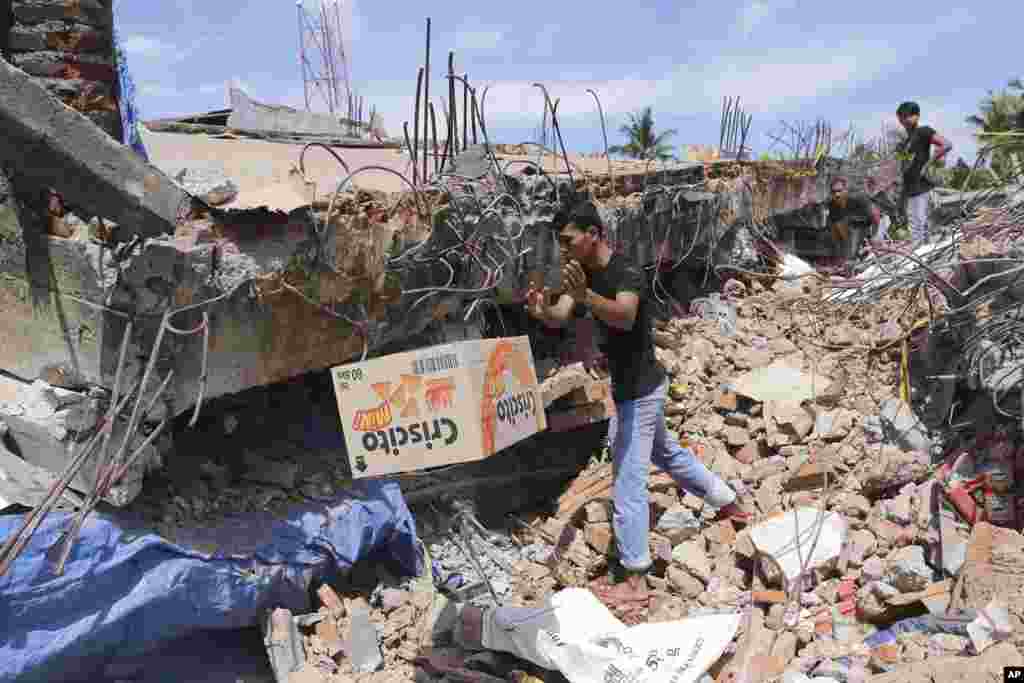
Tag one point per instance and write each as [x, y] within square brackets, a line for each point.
[49, 144]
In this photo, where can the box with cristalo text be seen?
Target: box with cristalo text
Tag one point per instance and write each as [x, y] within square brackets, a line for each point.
[442, 405]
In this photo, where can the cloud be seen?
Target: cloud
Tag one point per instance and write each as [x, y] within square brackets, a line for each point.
[797, 78]
[473, 35]
[137, 45]
[162, 90]
[544, 41]
[758, 12]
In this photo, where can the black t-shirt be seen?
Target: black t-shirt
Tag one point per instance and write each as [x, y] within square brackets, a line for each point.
[917, 151]
[635, 370]
[856, 212]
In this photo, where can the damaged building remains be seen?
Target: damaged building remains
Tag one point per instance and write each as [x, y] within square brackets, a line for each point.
[184, 303]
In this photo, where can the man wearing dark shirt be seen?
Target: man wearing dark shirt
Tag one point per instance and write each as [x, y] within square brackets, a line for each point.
[916, 156]
[614, 290]
[846, 211]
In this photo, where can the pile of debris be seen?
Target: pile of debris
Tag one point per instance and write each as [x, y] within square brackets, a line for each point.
[861, 557]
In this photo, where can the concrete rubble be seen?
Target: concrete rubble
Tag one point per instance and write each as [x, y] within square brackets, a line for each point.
[870, 423]
[876, 607]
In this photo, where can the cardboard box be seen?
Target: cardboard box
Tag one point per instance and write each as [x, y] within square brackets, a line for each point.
[442, 405]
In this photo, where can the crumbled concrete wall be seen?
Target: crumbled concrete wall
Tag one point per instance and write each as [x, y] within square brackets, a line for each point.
[262, 332]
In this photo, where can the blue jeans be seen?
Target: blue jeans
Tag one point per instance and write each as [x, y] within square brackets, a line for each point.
[917, 216]
[639, 437]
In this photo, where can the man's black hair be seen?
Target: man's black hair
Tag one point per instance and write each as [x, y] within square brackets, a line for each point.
[584, 216]
[908, 109]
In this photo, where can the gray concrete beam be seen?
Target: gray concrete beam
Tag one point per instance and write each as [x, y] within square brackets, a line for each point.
[51, 145]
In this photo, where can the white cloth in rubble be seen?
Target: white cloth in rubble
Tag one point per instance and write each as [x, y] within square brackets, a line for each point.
[575, 634]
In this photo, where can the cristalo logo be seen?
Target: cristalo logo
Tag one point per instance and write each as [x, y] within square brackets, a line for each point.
[403, 398]
[372, 419]
[442, 430]
[514, 409]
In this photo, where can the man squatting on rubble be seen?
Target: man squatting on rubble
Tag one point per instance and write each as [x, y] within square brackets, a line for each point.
[916, 158]
[844, 211]
[613, 289]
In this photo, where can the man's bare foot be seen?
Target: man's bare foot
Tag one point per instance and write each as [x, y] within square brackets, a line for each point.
[631, 590]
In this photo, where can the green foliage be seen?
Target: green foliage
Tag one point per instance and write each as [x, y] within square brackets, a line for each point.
[643, 143]
[1000, 124]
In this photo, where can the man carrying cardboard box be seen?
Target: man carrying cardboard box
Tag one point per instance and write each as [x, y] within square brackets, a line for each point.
[614, 288]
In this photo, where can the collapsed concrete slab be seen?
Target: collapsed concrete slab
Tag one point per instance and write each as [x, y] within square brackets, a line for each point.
[49, 145]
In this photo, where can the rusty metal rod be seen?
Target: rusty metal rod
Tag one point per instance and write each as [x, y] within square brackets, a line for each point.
[473, 115]
[433, 126]
[204, 376]
[604, 133]
[448, 142]
[105, 449]
[465, 111]
[408, 144]
[426, 98]
[416, 127]
[453, 123]
[149, 408]
[76, 529]
[154, 354]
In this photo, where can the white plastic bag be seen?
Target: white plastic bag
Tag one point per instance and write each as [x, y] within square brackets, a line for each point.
[577, 635]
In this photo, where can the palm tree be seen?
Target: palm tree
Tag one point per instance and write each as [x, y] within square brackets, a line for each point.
[1000, 113]
[643, 143]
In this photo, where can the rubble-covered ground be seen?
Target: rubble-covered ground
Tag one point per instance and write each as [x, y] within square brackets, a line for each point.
[798, 405]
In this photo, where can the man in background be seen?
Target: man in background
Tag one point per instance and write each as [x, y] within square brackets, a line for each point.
[846, 212]
[916, 156]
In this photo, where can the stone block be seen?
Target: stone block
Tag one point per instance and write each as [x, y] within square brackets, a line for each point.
[57, 35]
[79, 71]
[678, 524]
[88, 12]
[50, 439]
[907, 570]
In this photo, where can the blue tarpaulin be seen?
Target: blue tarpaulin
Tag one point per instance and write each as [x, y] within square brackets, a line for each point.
[127, 591]
[130, 120]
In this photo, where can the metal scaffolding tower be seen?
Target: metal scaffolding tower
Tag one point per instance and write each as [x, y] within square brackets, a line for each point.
[324, 57]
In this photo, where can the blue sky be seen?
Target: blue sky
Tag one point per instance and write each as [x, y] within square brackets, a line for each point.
[851, 63]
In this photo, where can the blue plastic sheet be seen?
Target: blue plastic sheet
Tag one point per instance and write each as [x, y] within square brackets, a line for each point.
[130, 119]
[127, 591]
